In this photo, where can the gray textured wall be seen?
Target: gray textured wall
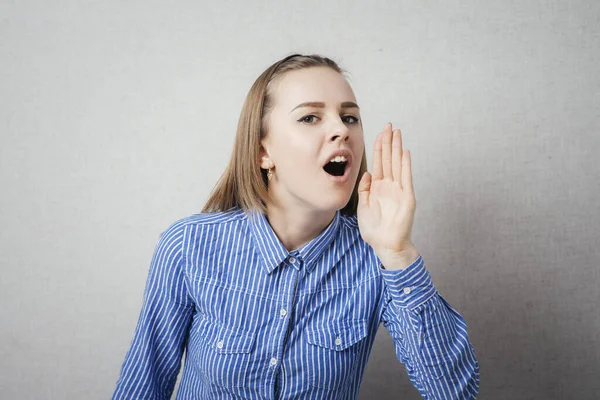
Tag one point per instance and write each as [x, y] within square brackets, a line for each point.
[117, 118]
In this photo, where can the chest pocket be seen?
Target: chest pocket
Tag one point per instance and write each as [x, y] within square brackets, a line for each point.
[224, 353]
[332, 351]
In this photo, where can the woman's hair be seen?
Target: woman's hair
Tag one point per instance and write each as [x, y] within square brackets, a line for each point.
[244, 183]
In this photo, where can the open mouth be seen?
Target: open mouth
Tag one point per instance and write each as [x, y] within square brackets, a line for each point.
[336, 168]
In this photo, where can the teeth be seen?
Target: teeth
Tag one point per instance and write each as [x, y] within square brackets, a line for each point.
[338, 159]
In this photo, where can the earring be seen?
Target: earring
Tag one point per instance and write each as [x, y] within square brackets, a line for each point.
[270, 171]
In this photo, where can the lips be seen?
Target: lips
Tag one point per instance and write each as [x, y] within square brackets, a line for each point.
[339, 152]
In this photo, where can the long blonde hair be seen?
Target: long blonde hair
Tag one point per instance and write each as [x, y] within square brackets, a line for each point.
[244, 183]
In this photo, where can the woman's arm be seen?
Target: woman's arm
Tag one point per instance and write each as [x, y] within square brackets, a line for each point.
[154, 358]
[430, 337]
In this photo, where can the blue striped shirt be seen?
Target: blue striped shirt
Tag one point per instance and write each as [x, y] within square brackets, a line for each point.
[257, 321]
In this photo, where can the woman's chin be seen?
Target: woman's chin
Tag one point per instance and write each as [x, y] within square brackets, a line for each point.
[335, 201]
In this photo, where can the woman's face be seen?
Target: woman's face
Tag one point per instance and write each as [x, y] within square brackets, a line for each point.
[314, 115]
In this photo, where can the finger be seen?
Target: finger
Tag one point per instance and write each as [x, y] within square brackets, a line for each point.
[377, 169]
[407, 181]
[364, 189]
[386, 151]
[397, 155]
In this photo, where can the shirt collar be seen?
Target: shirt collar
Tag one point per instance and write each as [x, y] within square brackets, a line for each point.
[274, 252]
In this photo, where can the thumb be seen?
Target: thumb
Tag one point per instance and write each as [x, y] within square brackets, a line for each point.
[364, 188]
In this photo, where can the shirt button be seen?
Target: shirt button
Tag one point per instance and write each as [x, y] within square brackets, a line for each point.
[407, 290]
[283, 312]
[273, 361]
[292, 260]
[338, 341]
[220, 344]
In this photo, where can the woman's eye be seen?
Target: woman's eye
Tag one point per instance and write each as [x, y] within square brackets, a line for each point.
[308, 119]
[311, 119]
[350, 119]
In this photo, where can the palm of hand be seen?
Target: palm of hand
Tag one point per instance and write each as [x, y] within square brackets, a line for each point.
[386, 199]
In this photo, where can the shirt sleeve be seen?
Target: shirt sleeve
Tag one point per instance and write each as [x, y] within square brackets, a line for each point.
[153, 360]
[430, 337]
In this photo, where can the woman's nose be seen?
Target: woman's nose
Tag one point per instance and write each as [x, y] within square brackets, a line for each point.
[342, 137]
[340, 132]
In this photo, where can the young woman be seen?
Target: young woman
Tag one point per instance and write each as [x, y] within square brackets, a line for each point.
[276, 289]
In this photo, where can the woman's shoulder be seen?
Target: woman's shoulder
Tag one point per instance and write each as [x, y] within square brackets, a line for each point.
[206, 218]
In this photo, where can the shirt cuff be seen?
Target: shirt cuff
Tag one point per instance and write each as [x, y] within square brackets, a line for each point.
[411, 286]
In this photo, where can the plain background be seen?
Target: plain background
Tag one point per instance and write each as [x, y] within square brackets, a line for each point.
[117, 118]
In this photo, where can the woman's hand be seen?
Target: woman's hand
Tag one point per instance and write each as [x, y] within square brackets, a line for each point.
[387, 203]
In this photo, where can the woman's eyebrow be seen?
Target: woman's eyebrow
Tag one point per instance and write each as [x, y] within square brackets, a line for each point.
[319, 104]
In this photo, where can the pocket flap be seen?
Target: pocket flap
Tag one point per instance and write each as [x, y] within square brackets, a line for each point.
[224, 339]
[338, 335]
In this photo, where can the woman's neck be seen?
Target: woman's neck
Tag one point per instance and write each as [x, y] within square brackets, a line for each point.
[296, 227]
